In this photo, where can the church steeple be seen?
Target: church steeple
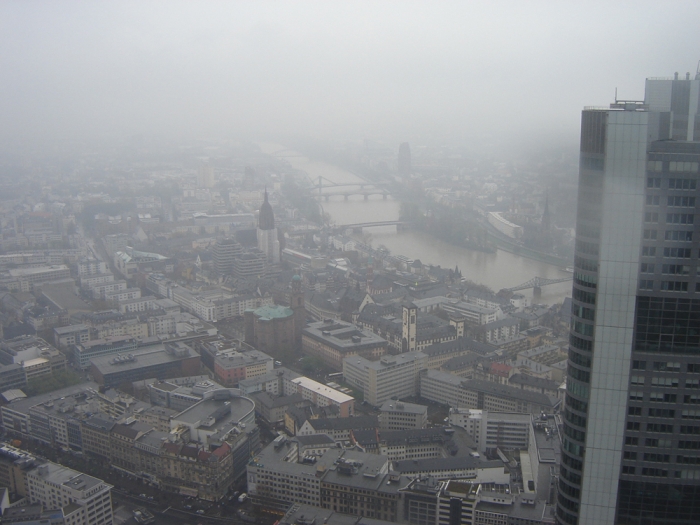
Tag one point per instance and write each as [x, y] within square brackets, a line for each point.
[266, 219]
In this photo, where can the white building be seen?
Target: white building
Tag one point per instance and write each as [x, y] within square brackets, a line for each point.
[493, 429]
[393, 376]
[91, 267]
[504, 226]
[399, 415]
[85, 500]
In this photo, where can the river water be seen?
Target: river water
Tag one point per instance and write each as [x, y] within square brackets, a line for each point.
[496, 270]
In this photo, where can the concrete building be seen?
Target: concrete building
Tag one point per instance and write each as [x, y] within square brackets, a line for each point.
[27, 278]
[66, 336]
[87, 267]
[393, 376]
[458, 392]
[333, 481]
[323, 396]
[224, 252]
[85, 500]
[332, 341]
[630, 449]
[83, 353]
[157, 361]
[399, 415]
[231, 367]
[492, 430]
[130, 261]
[250, 264]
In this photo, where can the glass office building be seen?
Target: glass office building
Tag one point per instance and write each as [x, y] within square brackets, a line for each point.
[631, 439]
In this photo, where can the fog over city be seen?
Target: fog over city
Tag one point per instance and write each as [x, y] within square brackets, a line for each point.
[349, 262]
[451, 72]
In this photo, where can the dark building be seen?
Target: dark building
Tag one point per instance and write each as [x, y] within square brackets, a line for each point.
[277, 329]
[631, 439]
[268, 241]
[404, 159]
[160, 362]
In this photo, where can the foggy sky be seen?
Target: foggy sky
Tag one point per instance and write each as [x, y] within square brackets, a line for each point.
[390, 71]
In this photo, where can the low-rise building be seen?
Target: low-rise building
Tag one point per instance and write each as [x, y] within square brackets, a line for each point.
[332, 341]
[493, 429]
[27, 278]
[273, 408]
[456, 391]
[66, 336]
[337, 427]
[85, 500]
[399, 415]
[33, 353]
[323, 396]
[232, 366]
[85, 352]
[159, 361]
[333, 481]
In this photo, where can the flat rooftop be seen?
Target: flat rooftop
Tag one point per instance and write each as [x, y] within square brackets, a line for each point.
[19, 273]
[326, 391]
[342, 336]
[386, 361]
[153, 356]
[199, 412]
[68, 477]
[391, 405]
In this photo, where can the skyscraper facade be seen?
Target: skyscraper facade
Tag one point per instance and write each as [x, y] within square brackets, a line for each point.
[631, 439]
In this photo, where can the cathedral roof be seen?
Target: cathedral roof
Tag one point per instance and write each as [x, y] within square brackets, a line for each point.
[266, 219]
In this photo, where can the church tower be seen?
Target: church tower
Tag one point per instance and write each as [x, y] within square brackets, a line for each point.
[410, 321]
[268, 242]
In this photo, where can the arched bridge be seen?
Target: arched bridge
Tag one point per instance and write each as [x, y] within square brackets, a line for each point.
[347, 189]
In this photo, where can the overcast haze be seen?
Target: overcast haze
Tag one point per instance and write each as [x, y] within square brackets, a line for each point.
[389, 71]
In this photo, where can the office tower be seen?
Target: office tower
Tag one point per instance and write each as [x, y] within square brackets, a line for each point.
[404, 159]
[631, 438]
[224, 252]
[268, 242]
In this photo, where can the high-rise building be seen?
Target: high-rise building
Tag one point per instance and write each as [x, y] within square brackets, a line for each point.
[404, 159]
[631, 443]
[224, 252]
[268, 242]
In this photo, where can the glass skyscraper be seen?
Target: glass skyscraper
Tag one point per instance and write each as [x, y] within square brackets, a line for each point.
[631, 440]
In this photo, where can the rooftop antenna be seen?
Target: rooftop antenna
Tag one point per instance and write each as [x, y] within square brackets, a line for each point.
[615, 95]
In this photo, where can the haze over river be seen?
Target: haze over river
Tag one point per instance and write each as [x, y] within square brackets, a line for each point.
[496, 270]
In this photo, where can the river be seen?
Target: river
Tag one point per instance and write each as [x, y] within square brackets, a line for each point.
[496, 270]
